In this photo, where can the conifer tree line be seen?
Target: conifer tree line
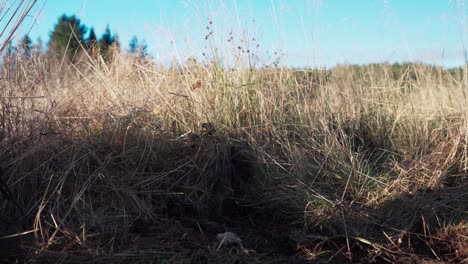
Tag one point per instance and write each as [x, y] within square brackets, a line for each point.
[70, 38]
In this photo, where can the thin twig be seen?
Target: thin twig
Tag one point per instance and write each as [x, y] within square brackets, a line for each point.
[177, 94]
[22, 97]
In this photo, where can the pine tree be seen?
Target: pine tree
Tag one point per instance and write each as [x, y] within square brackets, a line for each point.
[92, 39]
[137, 49]
[25, 46]
[92, 43]
[106, 41]
[116, 43]
[133, 45]
[67, 37]
[108, 44]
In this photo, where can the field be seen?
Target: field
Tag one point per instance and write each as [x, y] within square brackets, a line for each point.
[130, 162]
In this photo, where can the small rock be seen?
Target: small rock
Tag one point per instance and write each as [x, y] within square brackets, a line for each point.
[227, 238]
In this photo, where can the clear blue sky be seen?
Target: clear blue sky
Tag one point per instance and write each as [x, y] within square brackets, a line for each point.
[308, 32]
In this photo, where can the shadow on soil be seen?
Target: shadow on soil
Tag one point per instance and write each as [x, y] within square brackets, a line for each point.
[124, 200]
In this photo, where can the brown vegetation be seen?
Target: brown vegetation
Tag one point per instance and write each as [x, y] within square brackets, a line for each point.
[129, 161]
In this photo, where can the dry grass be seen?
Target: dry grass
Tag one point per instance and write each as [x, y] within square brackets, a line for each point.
[129, 161]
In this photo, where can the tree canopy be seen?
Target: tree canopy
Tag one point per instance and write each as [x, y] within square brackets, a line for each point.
[66, 38]
[138, 49]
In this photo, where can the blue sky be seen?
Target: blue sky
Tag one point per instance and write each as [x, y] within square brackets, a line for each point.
[307, 32]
